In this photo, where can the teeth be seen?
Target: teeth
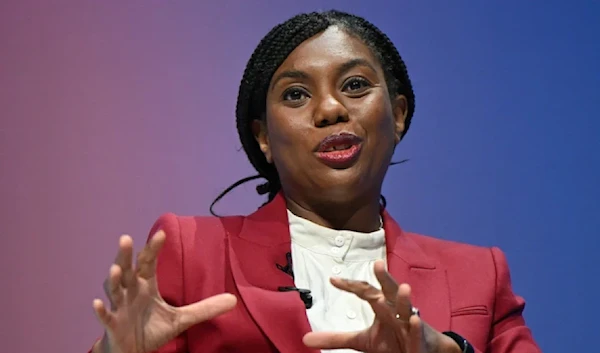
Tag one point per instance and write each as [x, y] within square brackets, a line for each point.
[338, 148]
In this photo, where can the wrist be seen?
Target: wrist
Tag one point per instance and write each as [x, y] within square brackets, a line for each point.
[96, 348]
[463, 345]
[101, 345]
[448, 345]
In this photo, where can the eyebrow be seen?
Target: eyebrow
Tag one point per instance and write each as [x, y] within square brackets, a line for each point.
[289, 74]
[345, 67]
[349, 65]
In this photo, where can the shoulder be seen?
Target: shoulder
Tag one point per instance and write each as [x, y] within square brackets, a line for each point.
[194, 233]
[474, 274]
[462, 260]
[194, 251]
[451, 252]
[174, 223]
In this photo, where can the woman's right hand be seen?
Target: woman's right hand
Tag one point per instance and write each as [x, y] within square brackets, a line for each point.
[139, 320]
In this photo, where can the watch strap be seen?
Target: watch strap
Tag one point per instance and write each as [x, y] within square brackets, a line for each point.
[464, 345]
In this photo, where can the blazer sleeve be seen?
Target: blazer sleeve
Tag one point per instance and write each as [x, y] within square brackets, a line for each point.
[169, 272]
[509, 332]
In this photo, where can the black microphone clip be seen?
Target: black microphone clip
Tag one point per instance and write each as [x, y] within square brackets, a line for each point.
[288, 266]
[305, 295]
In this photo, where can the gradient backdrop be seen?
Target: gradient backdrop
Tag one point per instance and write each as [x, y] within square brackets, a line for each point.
[113, 112]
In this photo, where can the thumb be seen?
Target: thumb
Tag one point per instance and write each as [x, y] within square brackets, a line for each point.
[337, 340]
[206, 309]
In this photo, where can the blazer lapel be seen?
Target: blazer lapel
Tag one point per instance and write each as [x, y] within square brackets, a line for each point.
[256, 246]
[407, 263]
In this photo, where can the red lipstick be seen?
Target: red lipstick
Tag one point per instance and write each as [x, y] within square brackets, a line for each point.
[339, 150]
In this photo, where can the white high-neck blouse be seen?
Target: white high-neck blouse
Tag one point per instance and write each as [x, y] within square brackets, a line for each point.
[319, 253]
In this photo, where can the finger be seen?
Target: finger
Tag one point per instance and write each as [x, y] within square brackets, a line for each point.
[415, 342]
[112, 287]
[369, 293]
[389, 286]
[146, 259]
[102, 314]
[362, 289]
[124, 260]
[336, 340]
[205, 310]
[403, 303]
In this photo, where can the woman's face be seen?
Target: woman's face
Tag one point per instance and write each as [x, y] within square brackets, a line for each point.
[331, 127]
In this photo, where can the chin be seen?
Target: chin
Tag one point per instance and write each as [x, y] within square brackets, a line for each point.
[343, 186]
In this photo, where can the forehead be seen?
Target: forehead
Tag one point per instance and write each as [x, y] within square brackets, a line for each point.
[331, 47]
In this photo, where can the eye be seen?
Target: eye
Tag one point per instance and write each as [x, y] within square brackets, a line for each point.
[294, 94]
[356, 85]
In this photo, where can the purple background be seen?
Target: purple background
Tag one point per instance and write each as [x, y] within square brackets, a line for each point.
[113, 112]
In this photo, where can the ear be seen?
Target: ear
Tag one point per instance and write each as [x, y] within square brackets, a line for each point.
[259, 129]
[400, 111]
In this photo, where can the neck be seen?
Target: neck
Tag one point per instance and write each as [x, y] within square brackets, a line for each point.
[357, 215]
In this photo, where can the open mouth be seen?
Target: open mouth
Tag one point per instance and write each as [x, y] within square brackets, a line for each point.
[339, 150]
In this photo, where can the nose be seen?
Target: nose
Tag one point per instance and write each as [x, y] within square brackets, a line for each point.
[330, 111]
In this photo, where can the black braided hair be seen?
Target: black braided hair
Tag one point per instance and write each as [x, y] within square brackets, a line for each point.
[270, 53]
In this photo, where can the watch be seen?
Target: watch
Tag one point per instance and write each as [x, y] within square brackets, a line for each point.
[464, 345]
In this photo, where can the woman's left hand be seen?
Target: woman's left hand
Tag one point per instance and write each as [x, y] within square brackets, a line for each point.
[395, 328]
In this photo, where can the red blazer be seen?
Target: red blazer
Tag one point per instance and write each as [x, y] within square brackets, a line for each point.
[457, 287]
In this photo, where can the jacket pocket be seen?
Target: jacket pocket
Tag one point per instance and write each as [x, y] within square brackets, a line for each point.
[470, 310]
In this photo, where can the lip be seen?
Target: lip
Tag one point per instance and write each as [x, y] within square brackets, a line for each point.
[327, 153]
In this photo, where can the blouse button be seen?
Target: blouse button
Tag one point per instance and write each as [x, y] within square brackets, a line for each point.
[351, 314]
[336, 270]
[339, 240]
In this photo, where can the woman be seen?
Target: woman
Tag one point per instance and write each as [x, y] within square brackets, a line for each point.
[323, 103]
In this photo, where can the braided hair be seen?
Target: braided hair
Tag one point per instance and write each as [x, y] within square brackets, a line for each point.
[272, 51]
